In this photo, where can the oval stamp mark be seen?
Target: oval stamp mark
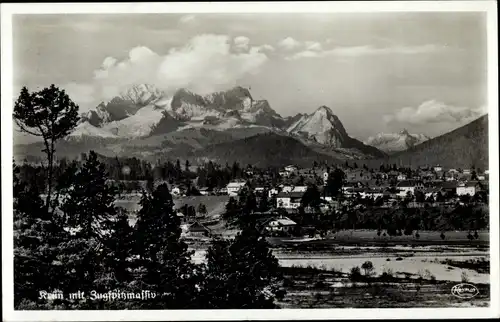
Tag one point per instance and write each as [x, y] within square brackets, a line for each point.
[464, 291]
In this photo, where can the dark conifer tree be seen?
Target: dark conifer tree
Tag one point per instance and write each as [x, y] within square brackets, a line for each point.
[240, 274]
[165, 265]
[36, 236]
[88, 207]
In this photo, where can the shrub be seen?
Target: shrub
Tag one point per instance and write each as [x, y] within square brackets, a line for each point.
[288, 282]
[320, 284]
[355, 274]
[368, 268]
[387, 275]
[465, 277]
[280, 294]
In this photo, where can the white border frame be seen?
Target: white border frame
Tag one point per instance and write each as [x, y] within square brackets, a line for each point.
[7, 10]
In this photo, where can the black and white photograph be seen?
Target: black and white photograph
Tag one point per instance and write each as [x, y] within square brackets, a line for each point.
[220, 159]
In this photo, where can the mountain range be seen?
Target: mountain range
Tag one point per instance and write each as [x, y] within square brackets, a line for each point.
[395, 142]
[463, 147]
[226, 126]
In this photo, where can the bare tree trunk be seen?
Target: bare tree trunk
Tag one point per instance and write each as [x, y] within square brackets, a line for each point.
[49, 150]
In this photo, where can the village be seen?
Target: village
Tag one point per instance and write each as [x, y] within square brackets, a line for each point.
[421, 188]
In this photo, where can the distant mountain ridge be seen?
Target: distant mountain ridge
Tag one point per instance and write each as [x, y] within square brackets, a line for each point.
[143, 113]
[395, 142]
[325, 128]
[463, 147]
[264, 150]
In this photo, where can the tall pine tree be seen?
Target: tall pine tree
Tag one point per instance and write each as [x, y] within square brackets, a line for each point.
[165, 265]
[240, 274]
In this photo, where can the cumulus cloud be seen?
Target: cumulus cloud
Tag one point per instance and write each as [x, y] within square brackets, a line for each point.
[206, 63]
[434, 112]
[241, 42]
[313, 46]
[266, 47]
[289, 43]
[108, 62]
[81, 94]
[315, 50]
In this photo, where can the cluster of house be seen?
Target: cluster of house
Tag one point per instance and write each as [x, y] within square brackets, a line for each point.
[271, 225]
[364, 183]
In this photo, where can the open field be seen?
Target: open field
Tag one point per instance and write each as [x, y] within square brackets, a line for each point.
[312, 288]
[411, 266]
[369, 237]
[401, 263]
[443, 262]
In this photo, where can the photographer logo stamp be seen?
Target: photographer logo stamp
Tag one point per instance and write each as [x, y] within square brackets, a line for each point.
[464, 291]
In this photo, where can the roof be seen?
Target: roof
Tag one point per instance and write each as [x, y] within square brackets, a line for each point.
[286, 222]
[447, 185]
[408, 183]
[431, 190]
[283, 221]
[198, 227]
[294, 194]
[373, 190]
[470, 184]
[235, 184]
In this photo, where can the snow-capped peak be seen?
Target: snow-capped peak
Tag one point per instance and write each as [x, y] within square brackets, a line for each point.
[141, 94]
[404, 132]
[393, 142]
[322, 126]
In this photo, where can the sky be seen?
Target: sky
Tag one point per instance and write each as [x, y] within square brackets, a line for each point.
[378, 72]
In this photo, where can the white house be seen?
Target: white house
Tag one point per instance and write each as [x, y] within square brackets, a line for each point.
[284, 174]
[468, 188]
[373, 193]
[290, 168]
[411, 186]
[466, 171]
[258, 189]
[233, 188]
[290, 200]
[438, 168]
[272, 192]
[431, 192]
[282, 224]
[481, 177]
[299, 188]
[204, 191]
[286, 189]
[401, 177]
